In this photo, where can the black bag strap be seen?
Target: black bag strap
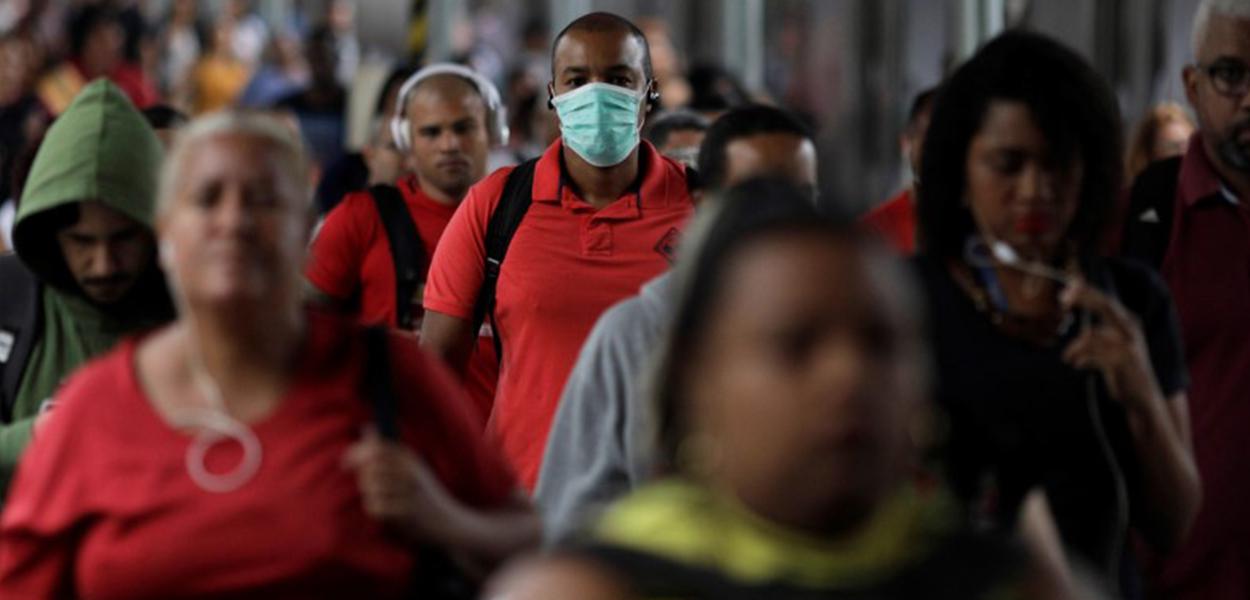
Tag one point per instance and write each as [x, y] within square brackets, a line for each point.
[1152, 202]
[513, 203]
[436, 576]
[407, 250]
[19, 326]
[378, 383]
[694, 183]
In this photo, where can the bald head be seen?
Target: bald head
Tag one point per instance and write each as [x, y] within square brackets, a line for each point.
[605, 22]
[445, 87]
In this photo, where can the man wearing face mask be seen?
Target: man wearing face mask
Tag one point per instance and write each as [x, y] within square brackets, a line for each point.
[581, 228]
[1190, 218]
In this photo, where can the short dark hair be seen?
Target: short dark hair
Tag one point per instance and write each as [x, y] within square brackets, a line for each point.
[395, 78]
[605, 21]
[715, 88]
[921, 103]
[1071, 104]
[85, 20]
[663, 125]
[746, 212]
[746, 121]
[163, 116]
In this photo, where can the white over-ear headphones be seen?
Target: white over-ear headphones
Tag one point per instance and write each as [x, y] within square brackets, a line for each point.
[496, 112]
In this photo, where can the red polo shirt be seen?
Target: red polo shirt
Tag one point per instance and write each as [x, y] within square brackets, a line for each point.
[895, 221]
[350, 261]
[567, 263]
[1207, 267]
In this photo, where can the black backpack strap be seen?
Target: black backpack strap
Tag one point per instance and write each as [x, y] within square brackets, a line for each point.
[513, 204]
[407, 250]
[1148, 222]
[19, 326]
[378, 383]
[436, 576]
[694, 183]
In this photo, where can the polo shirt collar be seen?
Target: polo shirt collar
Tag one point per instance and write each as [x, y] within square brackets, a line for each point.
[656, 189]
[1199, 180]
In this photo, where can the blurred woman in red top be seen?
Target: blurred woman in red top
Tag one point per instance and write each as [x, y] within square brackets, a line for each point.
[223, 456]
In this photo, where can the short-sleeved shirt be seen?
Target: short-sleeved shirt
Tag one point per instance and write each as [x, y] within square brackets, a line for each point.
[103, 506]
[1207, 268]
[351, 261]
[895, 221]
[566, 264]
[1022, 418]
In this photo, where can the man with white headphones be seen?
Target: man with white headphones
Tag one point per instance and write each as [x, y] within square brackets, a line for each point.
[371, 255]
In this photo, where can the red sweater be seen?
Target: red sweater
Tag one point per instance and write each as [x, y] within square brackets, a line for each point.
[102, 506]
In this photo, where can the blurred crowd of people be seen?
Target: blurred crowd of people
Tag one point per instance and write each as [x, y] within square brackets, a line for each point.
[586, 326]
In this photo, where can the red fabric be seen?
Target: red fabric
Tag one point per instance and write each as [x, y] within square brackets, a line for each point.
[132, 80]
[895, 221]
[103, 507]
[1207, 267]
[351, 261]
[567, 263]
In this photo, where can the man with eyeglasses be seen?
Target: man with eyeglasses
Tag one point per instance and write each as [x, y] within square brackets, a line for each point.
[1190, 217]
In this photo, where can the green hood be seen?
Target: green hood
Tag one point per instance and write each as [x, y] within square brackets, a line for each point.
[100, 149]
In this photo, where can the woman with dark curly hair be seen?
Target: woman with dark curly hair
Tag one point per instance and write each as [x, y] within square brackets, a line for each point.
[1061, 371]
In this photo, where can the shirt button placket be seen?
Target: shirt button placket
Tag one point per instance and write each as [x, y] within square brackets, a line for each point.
[597, 238]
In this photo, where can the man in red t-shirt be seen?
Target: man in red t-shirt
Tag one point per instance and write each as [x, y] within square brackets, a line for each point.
[895, 219]
[605, 212]
[446, 118]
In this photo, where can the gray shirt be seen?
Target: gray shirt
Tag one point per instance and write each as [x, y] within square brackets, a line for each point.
[595, 451]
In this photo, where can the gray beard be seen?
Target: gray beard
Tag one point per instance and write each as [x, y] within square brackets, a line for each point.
[1234, 155]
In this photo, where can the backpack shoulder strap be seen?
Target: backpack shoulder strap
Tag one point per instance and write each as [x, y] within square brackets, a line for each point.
[379, 386]
[436, 575]
[694, 184]
[514, 201]
[407, 250]
[19, 326]
[1152, 202]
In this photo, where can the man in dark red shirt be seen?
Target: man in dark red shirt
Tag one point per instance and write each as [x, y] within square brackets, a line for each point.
[895, 219]
[605, 211]
[446, 119]
[1206, 265]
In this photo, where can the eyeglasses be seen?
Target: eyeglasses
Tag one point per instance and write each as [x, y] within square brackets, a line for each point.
[1228, 77]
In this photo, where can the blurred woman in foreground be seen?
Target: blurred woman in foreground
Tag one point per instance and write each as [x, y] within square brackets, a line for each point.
[792, 384]
[223, 455]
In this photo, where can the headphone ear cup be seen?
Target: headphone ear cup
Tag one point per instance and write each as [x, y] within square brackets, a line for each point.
[500, 132]
[399, 131]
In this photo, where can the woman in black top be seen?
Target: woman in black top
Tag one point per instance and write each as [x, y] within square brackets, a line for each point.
[1061, 371]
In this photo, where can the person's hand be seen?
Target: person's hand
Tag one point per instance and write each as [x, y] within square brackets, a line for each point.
[400, 490]
[1113, 344]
